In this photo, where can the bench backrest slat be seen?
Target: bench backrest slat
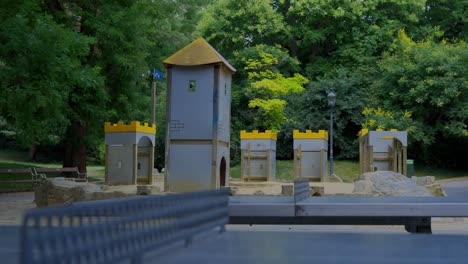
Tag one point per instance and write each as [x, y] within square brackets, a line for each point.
[137, 224]
[72, 169]
[14, 171]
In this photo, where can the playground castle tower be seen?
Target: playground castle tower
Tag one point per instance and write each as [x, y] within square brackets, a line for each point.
[198, 114]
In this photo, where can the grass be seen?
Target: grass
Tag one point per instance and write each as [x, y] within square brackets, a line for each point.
[95, 173]
[348, 171]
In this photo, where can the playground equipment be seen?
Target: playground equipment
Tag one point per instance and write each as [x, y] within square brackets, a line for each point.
[129, 153]
[258, 155]
[382, 150]
[310, 155]
[198, 118]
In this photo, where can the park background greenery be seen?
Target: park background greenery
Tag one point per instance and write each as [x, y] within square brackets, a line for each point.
[68, 66]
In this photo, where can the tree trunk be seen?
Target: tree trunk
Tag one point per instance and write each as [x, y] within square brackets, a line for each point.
[32, 152]
[292, 22]
[75, 147]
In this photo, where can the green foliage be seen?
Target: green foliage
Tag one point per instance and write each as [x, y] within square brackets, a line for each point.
[378, 118]
[39, 73]
[236, 24]
[268, 85]
[311, 110]
[429, 79]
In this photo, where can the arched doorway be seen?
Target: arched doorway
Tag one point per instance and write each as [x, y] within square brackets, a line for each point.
[144, 164]
[222, 173]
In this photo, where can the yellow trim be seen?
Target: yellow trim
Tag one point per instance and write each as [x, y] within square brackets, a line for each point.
[363, 132]
[393, 130]
[387, 137]
[321, 134]
[135, 126]
[268, 134]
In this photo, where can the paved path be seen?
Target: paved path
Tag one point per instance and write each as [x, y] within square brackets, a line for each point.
[455, 187]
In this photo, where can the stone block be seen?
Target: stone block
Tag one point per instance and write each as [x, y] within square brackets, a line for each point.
[423, 180]
[147, 190]
[287, 190]
[317, 191]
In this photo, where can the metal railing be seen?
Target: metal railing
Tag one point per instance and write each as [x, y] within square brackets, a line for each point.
[108, 231]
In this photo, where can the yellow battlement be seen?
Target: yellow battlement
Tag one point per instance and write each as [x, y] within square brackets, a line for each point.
[364, 131]
[135, 126]
[321, 134]
[268, 134]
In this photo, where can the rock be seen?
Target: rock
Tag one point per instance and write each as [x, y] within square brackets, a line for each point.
[259, 193]
[424, 180]
[363, 186]
[233, 190]
[436, 190]
[147, 190]
[389, 183]
[61, 191]
[317, 191]
[287, 190]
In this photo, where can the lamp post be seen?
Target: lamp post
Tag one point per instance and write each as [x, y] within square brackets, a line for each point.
[331, 103]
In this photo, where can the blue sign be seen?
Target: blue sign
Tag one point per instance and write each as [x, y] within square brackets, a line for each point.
[158, 75]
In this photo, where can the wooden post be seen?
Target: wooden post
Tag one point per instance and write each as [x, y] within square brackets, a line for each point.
[153, 102]
[322, 159]
[295, 164]
[167, 161]
[404, 161]
[214, 159]
[151, 165]
[135, 163]
[299, 156]
[248, 162]
[370, 160]
[242, 165]
[394, 152]
[106, 162]
[268, 172]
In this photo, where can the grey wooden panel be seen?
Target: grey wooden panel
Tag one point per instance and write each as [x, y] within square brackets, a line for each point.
[383, 209]
[243, 199]
[261, 209]
[383, 199]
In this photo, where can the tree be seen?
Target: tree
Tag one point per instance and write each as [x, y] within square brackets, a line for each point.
[429, 79]
[268, 86]
[311, 111]
[236, 24]
[39, 73]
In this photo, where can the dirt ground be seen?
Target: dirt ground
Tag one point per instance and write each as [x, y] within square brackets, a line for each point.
[13, 205]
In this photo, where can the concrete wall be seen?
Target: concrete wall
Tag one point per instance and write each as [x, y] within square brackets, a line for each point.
[259, 147]
[192, 111]
[190, 168]
[382, 142]
[312, 164]
[120, 165]
[224, 116]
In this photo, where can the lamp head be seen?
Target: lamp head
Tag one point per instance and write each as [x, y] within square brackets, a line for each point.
[331, 99]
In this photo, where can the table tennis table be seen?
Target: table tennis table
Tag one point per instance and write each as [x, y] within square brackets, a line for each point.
[301, 209]
[191, 228]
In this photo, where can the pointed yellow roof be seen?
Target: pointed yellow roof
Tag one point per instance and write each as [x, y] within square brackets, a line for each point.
[199, 52]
